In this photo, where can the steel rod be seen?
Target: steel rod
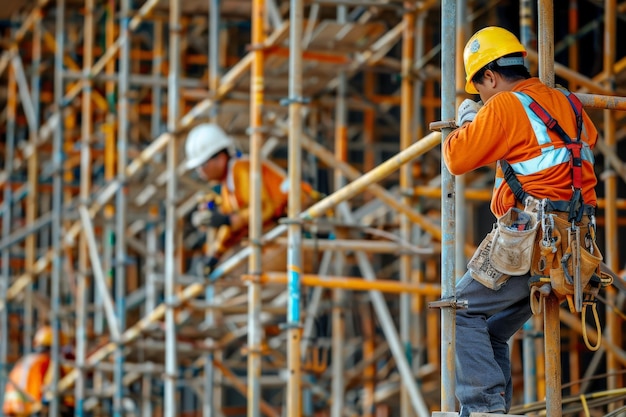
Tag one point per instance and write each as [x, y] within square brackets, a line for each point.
[348, 283]
[407, 127]
[83, 251]
[545, 13]
[257, 91]
[109, 306]
[173, 114]
[57, 209]
[6, 225]
[123, 126]
[339, 297]
[611, 240]
[448, 214]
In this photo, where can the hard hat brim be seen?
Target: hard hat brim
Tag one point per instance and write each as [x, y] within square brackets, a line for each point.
[469, 87]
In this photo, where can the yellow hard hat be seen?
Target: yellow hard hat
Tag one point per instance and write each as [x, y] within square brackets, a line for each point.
[487, 45]
[43, 337]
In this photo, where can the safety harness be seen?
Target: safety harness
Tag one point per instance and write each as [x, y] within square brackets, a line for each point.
[575, 206]
[541, 285]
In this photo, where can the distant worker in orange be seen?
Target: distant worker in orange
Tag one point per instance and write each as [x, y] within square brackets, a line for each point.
[30, 377]
[212, 153]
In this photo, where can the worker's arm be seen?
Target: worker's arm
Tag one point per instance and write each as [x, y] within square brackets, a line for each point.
[481, 142]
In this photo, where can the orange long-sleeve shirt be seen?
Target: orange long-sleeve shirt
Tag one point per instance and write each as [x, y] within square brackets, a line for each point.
[235, 193]
[27, 381]
[502, 130]
[274, 190]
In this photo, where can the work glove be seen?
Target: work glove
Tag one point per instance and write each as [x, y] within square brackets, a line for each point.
[467, 111]
[208, 265]
[208, 218]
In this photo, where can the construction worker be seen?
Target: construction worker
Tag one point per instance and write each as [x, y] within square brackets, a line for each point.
[212, 153]
[29, 378]
[510, 130]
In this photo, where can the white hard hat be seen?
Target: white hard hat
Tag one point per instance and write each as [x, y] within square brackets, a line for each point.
[204, 142]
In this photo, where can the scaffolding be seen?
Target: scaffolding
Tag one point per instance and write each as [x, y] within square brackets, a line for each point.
[96, 101]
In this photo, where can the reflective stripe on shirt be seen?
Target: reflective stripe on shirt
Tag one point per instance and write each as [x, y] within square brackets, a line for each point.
[550, 156]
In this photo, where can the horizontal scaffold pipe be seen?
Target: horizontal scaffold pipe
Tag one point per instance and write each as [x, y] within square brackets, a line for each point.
[597, 101]
[348, 283]
[353, 245]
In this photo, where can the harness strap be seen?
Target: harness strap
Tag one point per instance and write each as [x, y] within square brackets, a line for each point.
[576, 209]
[574, 147]
[575, 206]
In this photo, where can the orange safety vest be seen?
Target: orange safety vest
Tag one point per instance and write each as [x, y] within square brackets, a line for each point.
[235, 190]
[26, 383]
[235, 193]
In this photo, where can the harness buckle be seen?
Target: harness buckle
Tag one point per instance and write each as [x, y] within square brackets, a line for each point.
[576, 206]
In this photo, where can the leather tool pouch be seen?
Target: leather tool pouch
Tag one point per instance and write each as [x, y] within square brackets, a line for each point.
[481, 268]
[514, 242]
[549, 263]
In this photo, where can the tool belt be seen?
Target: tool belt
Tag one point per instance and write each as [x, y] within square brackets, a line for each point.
[567, 254]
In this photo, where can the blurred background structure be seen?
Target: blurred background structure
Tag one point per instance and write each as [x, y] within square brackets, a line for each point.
[96, 98]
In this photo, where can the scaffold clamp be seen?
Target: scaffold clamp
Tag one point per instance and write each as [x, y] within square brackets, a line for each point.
[442, 124]
[448, 303]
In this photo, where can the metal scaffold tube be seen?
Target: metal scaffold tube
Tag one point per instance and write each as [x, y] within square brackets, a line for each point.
[33, 186]
[173, 113]
[340, 297]
[85, 186]
[57, 210]
[6, 224]
[552, 333]
[448, 279]
[294, 231]
[615, 380]
[407, 127]
[257, 86]
[212, 395]
[123, 108]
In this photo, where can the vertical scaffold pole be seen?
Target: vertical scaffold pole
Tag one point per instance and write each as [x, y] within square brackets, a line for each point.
[85, 185]
[120, 201]
[57, 204]
[551, 321]
[448, 213]
[614, 336]
[257, 94]
[7, 206]
[173, 97]
[463, 210]
[32, 206]
[407, 129]
[294, 254]
[340, 296]
[212, 398]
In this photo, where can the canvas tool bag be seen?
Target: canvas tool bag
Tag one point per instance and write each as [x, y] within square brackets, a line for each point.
[514, 241]
[481, 268]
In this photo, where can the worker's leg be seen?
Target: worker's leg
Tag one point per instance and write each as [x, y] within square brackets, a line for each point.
[502, 327]
[482, 369]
